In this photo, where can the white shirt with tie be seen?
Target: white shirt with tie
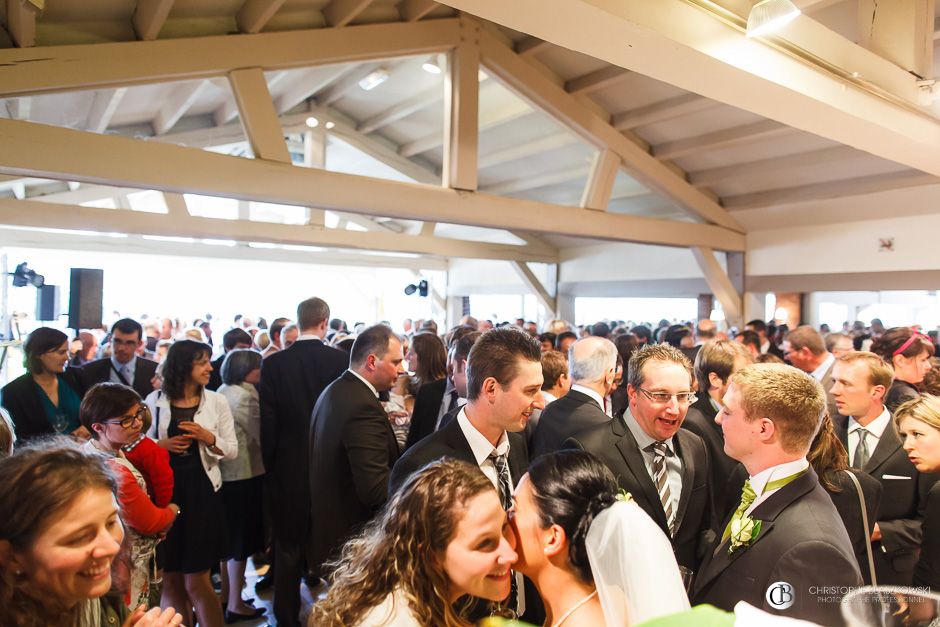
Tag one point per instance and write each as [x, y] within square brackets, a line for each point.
[761, 479]
[127, 371]
[673, 463]
[875, 428]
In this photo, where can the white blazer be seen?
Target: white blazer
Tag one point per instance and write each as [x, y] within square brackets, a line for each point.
[214, 415]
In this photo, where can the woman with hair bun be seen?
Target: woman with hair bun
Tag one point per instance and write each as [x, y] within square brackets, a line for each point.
[909, 353]
[595, 557]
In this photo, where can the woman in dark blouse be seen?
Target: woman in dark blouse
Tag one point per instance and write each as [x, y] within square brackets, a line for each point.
[46, 399]
[909, 353]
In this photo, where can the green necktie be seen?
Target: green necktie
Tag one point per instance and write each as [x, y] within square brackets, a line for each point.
[748, 496]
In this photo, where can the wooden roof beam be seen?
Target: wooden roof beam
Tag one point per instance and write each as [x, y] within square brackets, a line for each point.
[149, 17]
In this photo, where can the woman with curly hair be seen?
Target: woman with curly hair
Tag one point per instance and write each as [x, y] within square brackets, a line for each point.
[443, 536]
[909, 353]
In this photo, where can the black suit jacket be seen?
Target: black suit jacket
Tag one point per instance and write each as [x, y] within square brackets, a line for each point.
[291, 382]
[927, 572]
[846, 502]
[21, 397]
[427, 407]
[613, 443]
[449, 441]
[903, 504]
[801, 542]
[99, 371]
[352, 450]
[727, 474]
[562, 418]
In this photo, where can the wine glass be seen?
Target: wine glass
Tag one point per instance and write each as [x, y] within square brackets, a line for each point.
[60, 422]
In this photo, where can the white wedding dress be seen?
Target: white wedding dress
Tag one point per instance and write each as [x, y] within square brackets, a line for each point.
[634, 568]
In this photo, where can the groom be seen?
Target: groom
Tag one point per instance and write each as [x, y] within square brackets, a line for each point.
[785, 548]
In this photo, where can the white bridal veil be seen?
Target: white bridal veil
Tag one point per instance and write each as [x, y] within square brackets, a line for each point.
[634, 567]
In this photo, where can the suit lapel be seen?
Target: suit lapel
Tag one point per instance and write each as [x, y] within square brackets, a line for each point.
[888, 443]
[688, 477]
[630, 450]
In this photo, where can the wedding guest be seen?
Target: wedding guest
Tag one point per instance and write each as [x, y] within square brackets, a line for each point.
[7, 435]
[60, 533]
[112, 414]
[594, 559]
[918, 423]
[442, 537]
[195, 425]
[427, 358]
[909, 353]
[46, 399]
[152, 461]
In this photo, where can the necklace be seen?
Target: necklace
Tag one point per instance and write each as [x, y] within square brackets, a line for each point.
[574, 608]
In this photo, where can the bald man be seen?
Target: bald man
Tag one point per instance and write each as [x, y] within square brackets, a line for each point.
[592, 362]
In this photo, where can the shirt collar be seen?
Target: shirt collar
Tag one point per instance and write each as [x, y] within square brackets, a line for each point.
[480, 446]
[597, 397]
[361, 378]
[130, 366]
[820, 372]
[876, 427]
[779, 471]
[549, 397]
[308, 336]
[715, 404]
[642, 439]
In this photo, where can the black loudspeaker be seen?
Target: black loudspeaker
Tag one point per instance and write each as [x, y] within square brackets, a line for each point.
[47, 303]
[86, 293]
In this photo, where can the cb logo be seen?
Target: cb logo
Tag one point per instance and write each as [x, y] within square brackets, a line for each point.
[780, 595]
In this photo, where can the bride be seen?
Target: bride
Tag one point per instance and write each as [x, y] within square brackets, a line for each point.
[594, 555]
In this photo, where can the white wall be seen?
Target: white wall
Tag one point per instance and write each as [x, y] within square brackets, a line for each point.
[619, 262]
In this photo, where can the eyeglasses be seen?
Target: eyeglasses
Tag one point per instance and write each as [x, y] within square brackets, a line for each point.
[661, 398]
[127, 421]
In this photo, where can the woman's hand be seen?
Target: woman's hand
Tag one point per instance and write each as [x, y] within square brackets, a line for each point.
[197, 432]
[154, 617]
[176, 444]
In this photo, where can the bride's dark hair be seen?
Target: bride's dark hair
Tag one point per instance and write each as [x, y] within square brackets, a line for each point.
[570, 488]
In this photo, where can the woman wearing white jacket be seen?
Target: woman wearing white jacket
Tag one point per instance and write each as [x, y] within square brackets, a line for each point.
[195, 425]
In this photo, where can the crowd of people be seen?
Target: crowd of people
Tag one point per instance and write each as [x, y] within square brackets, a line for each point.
[615, 474]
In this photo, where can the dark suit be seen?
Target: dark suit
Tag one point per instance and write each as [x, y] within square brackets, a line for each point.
[801, 542]
[846, 502]
[215, 377]
[99, 371]
[903, 503]
[425, 412]
[352, 450]
[614, 444]
[561, 419]
[21, 397]
[827, 382]
[727, 474]
[927, 572]
[291, 382]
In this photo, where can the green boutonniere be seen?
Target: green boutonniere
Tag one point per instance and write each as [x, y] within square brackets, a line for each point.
[743, 532]
[624, 496]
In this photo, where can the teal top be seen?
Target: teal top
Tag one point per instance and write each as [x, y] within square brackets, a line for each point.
[64, 418]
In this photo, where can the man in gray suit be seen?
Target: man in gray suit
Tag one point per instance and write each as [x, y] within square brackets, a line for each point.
[785, 548]
[593, 365]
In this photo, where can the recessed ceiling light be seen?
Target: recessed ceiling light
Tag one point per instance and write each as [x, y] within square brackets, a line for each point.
[374, 79]
[312, 122]
[330, 125]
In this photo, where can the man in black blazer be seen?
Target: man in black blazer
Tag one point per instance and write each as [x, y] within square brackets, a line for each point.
[861, 381]
[291, 382]
[659, 390]
[593, 365]
[233, 338]
[716, 361]
[784, 549]
[352, 445]
[504, 381]
[124, 366]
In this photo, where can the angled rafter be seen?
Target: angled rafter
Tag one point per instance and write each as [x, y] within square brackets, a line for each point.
[177, 104]
[402, 110]
[21, 22]
[175, 205]
[307, 85]
[720, 284]
[348, 82]
[341, 12]
[428, 227]
[600, 181]
[800, 160]
[531, 46]
[531, 281]
[831, 189]
[721, 139]
[254, 14]
[546, 95]
[461, 112]
[414, 10]
[386, 154]
[596, 80]
[661, 111]
[545, 179]
[122, 161]
[102, 109]
[149, 17]
[92, 66]
[521, 151]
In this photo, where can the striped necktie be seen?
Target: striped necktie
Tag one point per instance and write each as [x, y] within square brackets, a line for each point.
[661, 481]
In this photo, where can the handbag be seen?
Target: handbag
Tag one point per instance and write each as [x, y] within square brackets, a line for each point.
[861, 502]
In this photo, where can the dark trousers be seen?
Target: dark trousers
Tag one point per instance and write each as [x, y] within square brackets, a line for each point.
[289, 563]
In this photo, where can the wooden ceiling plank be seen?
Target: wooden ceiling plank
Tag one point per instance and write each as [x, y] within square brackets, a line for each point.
[347, 83]
[537, 180]
[662, 111]
[418, 102]
[339, 13]
[800, 160]
[255, 14]
[121, 161]
[21, 22]
[177, 104]
[307, 84]
[596, 80]
[414, 10]
[527, 149]
[149, 17]
[103, 109]
[531, 46]
[600, 182]
[734, 136]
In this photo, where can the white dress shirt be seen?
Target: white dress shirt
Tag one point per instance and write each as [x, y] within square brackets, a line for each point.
[820, 372]
[128, 370]
[673, 463]
[361, 378]
[761, 479]
[482, 448]
[597, 397]
[875, 428]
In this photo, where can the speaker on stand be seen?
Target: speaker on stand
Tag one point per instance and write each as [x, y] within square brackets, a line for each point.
[86, 295]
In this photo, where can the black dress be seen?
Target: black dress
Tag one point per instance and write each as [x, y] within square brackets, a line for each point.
[198, 539]
[899, 392]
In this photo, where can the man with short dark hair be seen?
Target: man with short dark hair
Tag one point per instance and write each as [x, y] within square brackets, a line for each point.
[564, 341]
[274, 334]
[767, 347]
[233, 338]
[291, 382]
[600, 329]
[124, 366]
[352, 445]
[805, 349]
[750, 340]
[642, 333]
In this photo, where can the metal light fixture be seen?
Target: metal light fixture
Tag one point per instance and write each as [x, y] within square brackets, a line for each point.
[312, 122]
[374, 79]
[768, 16]
[431, 66]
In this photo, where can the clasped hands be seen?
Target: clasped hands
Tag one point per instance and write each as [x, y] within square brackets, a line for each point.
[192, 431]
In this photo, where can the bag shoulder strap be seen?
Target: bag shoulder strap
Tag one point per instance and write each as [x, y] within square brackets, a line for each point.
[861, 502]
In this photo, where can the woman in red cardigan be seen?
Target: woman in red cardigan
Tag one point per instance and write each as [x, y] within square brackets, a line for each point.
[112, 414]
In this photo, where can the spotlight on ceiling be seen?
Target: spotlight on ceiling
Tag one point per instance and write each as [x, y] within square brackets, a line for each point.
[374, 79]
[330, 125]
[431, 66]
[421, 288]
[312, 122]
[768, 16]
[23, 276]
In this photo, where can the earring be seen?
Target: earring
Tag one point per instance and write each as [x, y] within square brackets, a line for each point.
[545, 550]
